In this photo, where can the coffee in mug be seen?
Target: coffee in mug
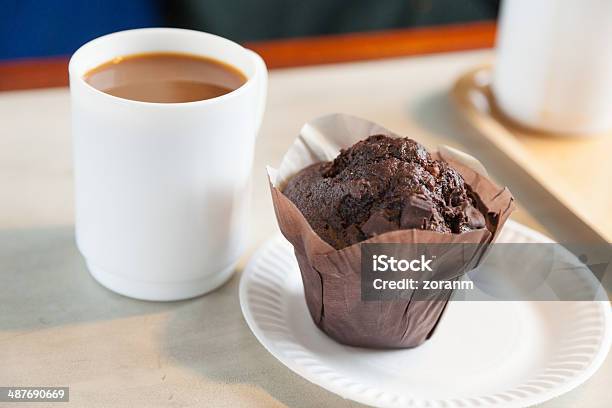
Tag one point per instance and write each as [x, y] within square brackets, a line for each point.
[162, 189]
[165, 77]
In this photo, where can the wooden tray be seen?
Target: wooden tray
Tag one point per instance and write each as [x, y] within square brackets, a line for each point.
[574, 174]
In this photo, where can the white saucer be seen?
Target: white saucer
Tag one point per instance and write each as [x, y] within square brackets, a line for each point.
[506, 354]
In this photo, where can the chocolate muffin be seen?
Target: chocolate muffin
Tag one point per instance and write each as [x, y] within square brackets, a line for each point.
[380, 184]
[383, 184]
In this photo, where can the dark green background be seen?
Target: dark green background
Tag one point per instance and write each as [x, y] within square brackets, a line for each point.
[243, 20]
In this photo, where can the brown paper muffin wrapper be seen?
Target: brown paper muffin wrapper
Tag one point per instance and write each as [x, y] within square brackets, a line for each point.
[332, 278]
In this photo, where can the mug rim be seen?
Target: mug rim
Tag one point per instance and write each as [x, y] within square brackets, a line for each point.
[230, 95]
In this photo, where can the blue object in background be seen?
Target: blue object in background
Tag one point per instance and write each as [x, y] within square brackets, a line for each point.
[31, 28]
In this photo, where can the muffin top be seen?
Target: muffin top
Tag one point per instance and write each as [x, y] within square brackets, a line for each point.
[383, 184]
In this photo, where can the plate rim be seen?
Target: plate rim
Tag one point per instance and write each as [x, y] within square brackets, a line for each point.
[529, 400]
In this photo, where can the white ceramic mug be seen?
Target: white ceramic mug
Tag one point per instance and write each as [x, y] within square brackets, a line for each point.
[553, 70]
[162, 188]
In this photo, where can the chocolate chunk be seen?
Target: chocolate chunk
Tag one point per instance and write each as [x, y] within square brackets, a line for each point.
[378, 223]
[416, 213]
[475, 219]
[433, 169]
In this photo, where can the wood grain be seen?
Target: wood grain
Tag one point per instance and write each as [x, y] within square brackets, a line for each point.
[375, 45]
[53, 72]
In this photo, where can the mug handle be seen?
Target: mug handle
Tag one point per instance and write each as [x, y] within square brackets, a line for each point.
[261, 76]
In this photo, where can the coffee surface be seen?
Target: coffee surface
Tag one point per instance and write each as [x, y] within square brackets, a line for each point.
[165, 78]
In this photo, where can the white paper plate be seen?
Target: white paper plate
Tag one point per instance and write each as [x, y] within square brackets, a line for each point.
[507, 354]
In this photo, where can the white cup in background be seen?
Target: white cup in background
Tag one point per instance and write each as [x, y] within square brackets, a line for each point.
[553, 70]
[162, 188]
